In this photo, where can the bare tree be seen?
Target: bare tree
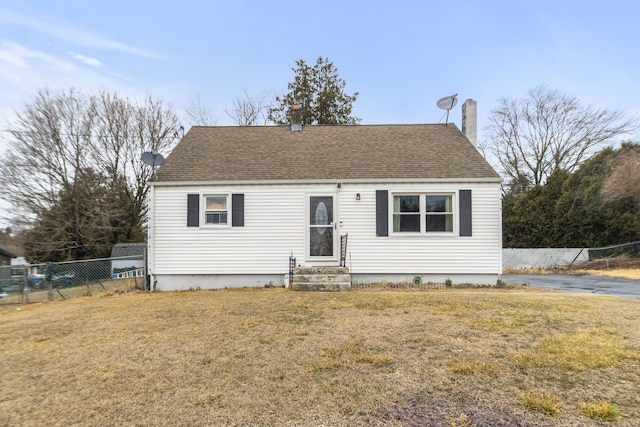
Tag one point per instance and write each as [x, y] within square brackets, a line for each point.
[249, 111]
[51, 139]
[74, 160]
[124, 130]
[199, 114]
[549, 130]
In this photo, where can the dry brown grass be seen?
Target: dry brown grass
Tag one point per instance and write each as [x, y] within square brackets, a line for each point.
[454, 357]
[625, 273]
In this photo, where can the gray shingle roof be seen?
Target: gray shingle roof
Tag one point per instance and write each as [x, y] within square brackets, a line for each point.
[6, 253]
[268, 153]
[128, 249]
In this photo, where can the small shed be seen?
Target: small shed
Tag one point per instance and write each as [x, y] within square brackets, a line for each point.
[5, 257]
[127, 257]
[5, 270]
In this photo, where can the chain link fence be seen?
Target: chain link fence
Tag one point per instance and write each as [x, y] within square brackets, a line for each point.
[626, 255]
[530, 258]
[59, 281]
[632, 250]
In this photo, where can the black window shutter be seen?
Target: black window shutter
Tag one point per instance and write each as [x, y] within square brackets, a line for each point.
[237, 210]
[382, 213]
[465, 212]
[193, 210]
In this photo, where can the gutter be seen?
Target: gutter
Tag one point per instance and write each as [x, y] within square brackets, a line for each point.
[497, 180]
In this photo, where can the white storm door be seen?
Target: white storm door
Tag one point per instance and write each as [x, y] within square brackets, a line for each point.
[321, 228]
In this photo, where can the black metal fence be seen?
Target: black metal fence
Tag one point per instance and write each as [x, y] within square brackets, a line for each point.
[56, 281]
[292, 266]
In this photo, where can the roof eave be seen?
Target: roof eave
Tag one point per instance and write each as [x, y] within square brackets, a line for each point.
[496, 180]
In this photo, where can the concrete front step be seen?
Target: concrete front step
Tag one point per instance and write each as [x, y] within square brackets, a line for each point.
[321, 286]
[321, 279]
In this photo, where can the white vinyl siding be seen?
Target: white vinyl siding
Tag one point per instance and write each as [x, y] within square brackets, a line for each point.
[275, 223]
[437, 253]
[274, 227]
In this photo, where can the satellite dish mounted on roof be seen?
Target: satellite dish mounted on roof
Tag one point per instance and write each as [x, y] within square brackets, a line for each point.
[152, 158]
[447, 103]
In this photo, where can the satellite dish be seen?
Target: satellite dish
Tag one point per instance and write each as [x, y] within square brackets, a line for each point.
[152, 158]
[447, 103]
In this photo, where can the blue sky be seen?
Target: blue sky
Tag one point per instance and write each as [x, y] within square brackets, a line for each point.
[401, 56]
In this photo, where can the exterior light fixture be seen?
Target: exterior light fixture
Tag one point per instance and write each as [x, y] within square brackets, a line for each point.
[358, 196]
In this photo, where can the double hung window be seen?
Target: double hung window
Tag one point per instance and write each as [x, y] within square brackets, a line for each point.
[219, 210]
[423, 213]
[216, 210]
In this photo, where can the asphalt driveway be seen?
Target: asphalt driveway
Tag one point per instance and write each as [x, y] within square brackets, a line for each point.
[587, 284]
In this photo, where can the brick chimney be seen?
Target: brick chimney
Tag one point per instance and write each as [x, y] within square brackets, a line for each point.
[296, 117]
[470, 120]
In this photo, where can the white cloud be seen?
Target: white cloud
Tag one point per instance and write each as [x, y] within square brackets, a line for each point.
[24, 71]
[16, 54]
[86, 59]
[20, 63]
[67, 33]
[12, 59]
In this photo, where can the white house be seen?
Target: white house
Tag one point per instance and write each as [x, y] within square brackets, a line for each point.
[231, 204]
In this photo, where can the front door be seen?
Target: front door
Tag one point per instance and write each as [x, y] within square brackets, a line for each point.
[321, 227]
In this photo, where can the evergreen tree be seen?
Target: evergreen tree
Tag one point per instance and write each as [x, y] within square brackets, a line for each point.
[587, 218]
[576, 209]
[529, 218]
[320, 92]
